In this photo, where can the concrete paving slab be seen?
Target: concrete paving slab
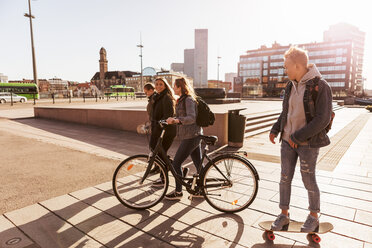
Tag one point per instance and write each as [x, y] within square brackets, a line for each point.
[115, 233]
[349, 229]
[48, 230]
[12, 237]
[363, 217]
[70, 209]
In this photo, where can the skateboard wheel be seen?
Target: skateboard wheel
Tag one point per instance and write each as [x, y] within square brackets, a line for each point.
[316, 238]
[270, 235]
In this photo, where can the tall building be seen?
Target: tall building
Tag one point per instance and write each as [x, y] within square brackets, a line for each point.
[229, 77]
[201, 58]
[344, 31]
[104, 78]
[177, 67]
[188, 62]
[262, 73]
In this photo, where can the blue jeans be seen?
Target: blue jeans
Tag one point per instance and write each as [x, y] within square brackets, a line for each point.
[187, 147]
[308, 157]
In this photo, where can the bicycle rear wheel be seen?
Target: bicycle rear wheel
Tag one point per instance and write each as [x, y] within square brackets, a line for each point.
[127, 184]
[230, 183]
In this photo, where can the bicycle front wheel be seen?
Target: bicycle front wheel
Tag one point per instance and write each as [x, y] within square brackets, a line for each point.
[128, 187]
[230, 183]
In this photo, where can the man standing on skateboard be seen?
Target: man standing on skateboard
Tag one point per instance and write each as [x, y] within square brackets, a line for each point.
[306, 113]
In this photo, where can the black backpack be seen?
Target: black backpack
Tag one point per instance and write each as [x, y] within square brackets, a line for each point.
[314, 95]
[205, 116]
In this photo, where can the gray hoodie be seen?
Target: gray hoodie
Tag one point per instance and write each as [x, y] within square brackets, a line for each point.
[296, 118]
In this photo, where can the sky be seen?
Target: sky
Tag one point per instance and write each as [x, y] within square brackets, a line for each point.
[68, 34]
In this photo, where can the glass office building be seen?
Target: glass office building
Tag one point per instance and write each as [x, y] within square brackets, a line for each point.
[339, 62]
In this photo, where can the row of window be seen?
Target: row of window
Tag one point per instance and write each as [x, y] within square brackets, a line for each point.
[332, 76]
[316, 45]
[250, 73]
[332, 68]
[336, 84]
[328, 44]
[337, 60]
[338, 51]
[250, 66]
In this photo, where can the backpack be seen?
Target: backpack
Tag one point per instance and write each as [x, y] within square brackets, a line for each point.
[314, 95]
[205, 116]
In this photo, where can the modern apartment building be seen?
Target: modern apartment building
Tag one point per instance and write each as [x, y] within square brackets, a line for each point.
[341, 31]
[262, 73]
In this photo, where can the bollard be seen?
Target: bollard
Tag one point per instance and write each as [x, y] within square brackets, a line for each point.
[11, 98]
[53, 97]
[84, 97]
[34, 99]
[96, 97]
[69, 98]
[117, 96]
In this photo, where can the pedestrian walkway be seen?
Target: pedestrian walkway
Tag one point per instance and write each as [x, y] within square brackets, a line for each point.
[93, 217]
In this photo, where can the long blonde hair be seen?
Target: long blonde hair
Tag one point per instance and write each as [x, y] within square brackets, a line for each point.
[186, 88]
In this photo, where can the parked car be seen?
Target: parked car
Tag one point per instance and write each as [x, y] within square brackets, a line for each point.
[7, 97]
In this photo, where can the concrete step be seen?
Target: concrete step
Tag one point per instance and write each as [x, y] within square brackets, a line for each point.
[261, 120]
[259, 125]
[258, 131]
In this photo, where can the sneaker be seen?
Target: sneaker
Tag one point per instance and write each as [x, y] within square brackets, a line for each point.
[174, 196]
[281, 221]
[159, 183]
[311, 224]
[197, 195]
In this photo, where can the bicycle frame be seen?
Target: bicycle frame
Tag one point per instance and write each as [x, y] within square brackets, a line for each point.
[168, 165]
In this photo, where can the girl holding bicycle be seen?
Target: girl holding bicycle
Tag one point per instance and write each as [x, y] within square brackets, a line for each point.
[187, 130]
[163, 108]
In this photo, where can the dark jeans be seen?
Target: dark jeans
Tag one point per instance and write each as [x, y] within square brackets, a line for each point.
[308, 157]
[187, 147]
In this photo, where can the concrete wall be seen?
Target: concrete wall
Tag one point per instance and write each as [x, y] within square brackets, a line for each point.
[127, 120]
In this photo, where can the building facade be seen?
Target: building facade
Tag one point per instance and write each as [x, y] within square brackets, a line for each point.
[3, 78]
[342, 31]
[340, 63]
[188, 62]
[104, 78]
[177, 67]
[201, 58]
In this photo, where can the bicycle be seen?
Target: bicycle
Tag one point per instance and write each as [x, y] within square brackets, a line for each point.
[228, 182]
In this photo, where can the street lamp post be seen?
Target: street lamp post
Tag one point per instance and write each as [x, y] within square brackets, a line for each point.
[141, 46]
[218, 68]
[29, 15]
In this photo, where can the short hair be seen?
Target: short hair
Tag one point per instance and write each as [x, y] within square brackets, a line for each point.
[149, 86]
[297, 55]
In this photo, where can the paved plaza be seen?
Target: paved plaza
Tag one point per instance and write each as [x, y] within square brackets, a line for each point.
[56, 188]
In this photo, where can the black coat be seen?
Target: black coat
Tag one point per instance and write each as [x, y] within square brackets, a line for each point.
[163, 107]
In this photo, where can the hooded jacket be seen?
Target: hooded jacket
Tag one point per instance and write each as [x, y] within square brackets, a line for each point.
[302, 119]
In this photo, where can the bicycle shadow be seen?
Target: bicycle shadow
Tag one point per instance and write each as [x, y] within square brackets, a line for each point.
[117, 226]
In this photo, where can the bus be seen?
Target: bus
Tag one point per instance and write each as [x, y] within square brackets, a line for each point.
[21, 89]
[120, 90]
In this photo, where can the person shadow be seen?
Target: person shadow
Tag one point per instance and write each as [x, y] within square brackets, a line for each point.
[115, 225]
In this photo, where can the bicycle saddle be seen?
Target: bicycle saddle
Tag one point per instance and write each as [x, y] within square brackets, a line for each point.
[209, 140]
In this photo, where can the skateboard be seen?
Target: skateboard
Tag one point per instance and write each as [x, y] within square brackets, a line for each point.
[295, 227]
